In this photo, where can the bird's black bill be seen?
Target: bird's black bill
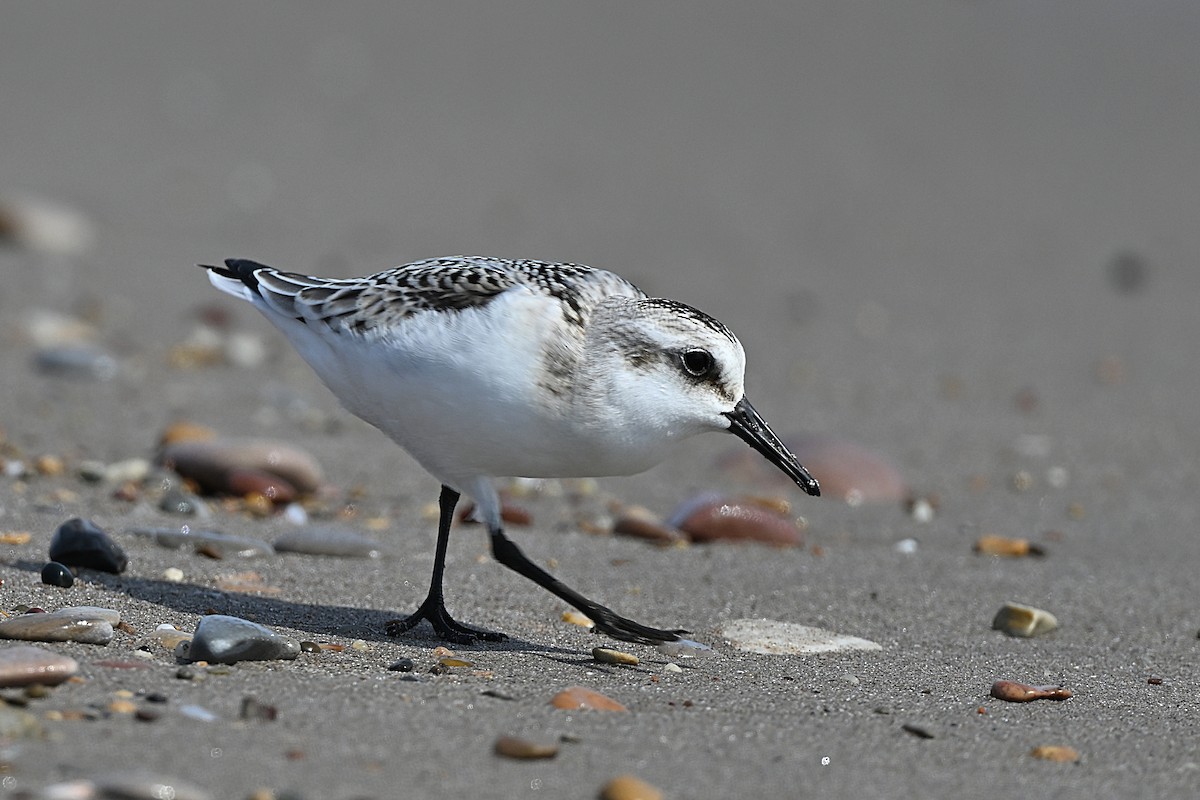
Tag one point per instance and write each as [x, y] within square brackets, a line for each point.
[748, 426]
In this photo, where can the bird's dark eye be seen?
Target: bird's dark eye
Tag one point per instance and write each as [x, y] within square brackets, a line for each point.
[697, 362]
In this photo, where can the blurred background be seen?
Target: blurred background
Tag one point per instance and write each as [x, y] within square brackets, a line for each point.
[936, 225]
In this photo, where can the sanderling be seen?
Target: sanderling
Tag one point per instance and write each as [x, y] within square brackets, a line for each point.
[483, 368]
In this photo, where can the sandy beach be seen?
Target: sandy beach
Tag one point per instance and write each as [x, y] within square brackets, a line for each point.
[961, 236]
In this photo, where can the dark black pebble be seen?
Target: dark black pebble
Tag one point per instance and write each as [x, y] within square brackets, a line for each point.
[403, 665]
[56, 574]
[81, 543]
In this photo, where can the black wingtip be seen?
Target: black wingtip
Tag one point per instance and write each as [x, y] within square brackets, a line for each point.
[241, 269]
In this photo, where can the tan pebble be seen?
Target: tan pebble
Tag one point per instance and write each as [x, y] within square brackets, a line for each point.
[123, 693]
[609, 656]
[708, 519]
[576, 618]
[628, 787]
[360, 645]
[992, 545]
[1055, 752]
[1018, 620]
[672, 667]
[49, 466]
[515, 747]
[15, 537]
[185, 432]
[333, 648]
[173, 574]
[442, 652]
[579, 698]
[454, 662]
[641, 523]
[122, 707]
[1014, 692]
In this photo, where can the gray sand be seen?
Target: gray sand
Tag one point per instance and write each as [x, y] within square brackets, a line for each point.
[908, 212]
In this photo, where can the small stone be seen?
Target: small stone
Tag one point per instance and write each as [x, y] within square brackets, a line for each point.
[122, 706]
[609, 656]
[173, 575]
[81, 543]
[49, 466]
[141, 786]
[629, 787]
[329, 541]
[57, 626]
[403, 665]
[22, 665]
[1055, 752]
[773, 637]
[45, 226]
[516, 747]
[1014, 692]
[454, 662]
[221, 639]
[672, 667]
[907, 547]
[87, 362]
[56, 574]
[993, 545]
[210, 463]
[212, 543]
[578, 698]
[15, 538]
[583, 621]
[708, 518]
[641, 523]
[1019, 620]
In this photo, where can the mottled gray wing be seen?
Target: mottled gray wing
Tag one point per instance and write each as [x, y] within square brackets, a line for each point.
[363, 305]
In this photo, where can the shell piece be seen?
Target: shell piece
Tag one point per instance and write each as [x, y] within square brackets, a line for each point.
[1015, 692]
[609, 656]
[1055, 752]
[578, 698]
[1018, 620]
[993, 545]
[773, 637]
[629, 787]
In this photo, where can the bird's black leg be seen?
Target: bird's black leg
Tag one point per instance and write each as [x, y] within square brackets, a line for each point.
[607, 621]
[434, 607]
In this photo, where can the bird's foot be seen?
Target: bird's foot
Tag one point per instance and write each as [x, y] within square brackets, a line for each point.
[612, 624]
[446, 627]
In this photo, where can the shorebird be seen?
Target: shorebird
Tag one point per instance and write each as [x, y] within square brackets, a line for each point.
[484, 367]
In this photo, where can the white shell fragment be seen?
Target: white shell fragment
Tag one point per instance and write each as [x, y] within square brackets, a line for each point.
[772, 637]
[1018, 620]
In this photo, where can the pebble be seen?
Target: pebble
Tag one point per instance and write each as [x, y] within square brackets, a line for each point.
[403, 665]
[329, 541]
[81, 543]
[173, 575]
[1019, 620]
[578, 698]
[56, 574]
[212, 463]
[629, 787]
[21, 665]
[1015, 692]
[213, 543]
[516, 747]
[45, 226]
[907, 547]
[82, 625]
[221, 639]
[672, 667]
[773, 637]
[708, 518]
[169, 636]
[641, 523]
[78, 361]
[993, 545]
[608, 656]
[847, 471]
[584, 621]
[1055, 752]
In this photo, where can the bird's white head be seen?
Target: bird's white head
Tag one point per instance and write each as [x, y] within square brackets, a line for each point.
[668, 371]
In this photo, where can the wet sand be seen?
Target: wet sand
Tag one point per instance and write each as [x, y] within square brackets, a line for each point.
[961, 235]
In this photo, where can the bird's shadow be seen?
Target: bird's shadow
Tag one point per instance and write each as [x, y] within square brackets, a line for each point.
[316, 619]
